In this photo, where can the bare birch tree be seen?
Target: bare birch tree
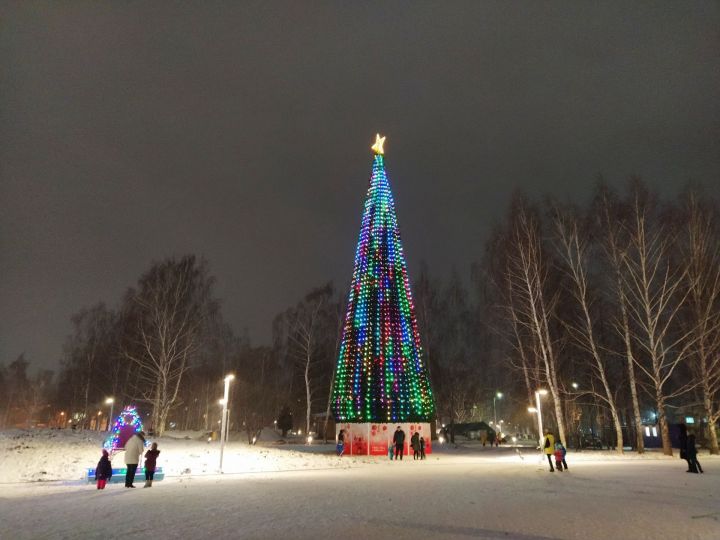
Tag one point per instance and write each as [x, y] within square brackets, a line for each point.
[172, 305]
[87, 356]
[655, 297]
[700, 247]
[528, 273]
[573, 248]
[611, 224]
[309, 332]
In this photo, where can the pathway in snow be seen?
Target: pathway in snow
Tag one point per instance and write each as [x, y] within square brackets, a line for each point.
[494, 495]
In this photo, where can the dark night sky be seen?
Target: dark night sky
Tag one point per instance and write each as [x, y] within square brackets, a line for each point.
[241, 131]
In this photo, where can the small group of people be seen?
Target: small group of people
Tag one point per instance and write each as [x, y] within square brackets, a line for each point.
[555, 450]
[688, 450]
[417, 443]
[396, 449]
[134, 448]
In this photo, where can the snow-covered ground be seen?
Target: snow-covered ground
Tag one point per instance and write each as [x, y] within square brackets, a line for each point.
[299, 492]
[47, 455]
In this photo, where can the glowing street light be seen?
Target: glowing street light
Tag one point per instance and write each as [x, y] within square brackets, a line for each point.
[538, 410]
[498, 395]
[224, 423]
[575, 385]
[110, 401]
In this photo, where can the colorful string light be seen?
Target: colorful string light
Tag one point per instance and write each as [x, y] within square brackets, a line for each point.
[380, 375]
[128, 421]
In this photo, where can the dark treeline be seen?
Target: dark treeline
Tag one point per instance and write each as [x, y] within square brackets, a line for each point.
[612, 306]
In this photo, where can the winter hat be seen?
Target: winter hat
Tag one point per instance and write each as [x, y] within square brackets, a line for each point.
[105, 452]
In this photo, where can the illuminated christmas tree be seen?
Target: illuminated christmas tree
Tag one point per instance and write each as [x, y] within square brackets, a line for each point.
[380, 375]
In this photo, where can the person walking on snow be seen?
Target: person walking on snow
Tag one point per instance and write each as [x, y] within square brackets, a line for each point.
[564, 452]
[103, 471]
[151, 464]
[558, 457]
[415, 443]
[683, 439]
[549, 448]
[692, 455]
[133, 453]
[422, 447]
[399, 442]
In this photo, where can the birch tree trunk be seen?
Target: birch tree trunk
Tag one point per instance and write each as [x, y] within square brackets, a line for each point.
[527, 274]
[656, 297]
[574, 252]
[611, 223]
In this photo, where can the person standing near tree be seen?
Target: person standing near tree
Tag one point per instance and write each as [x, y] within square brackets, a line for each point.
[340, 442]
[399, 442]
[549, 448]
[415, 443]
[134, 448]
[151, 464]
[103, 471]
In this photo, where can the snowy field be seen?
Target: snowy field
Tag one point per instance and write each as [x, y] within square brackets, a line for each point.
[297, 492]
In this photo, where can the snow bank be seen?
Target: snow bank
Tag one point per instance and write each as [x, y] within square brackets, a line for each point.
[48, 455]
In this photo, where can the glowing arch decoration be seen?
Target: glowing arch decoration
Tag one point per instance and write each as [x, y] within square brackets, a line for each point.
[127, 424]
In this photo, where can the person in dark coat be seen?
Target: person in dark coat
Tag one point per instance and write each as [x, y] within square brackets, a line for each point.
[103, 471]
[692, 455]
[415, 443]
[422, 447]
[683, 438]
[151, 464]
[399, 442]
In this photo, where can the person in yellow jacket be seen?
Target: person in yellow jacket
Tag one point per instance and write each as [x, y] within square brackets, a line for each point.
[549, 448]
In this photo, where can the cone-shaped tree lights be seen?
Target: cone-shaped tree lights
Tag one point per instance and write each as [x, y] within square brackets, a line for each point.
[127, 424]
[380, 377]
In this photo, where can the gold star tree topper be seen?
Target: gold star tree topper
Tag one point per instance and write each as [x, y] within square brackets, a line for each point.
[378, 146]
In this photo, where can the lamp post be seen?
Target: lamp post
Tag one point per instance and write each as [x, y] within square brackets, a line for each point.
[223, 423]
[498, 395]
[538, 409]
[110, 401]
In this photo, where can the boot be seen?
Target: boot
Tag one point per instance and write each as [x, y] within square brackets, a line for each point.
[147, 483]
[150, 483]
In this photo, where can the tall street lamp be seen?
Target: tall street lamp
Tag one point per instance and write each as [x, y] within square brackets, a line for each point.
[223, 423]
[110, 401]
[498, 395]
[538, 409]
